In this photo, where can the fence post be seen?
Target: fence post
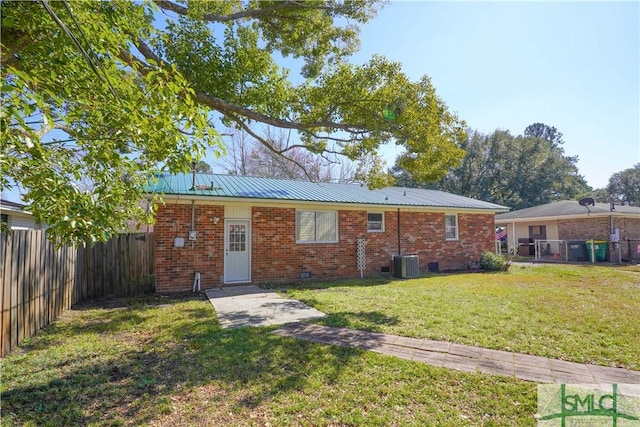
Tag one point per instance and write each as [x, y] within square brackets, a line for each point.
[5, 306]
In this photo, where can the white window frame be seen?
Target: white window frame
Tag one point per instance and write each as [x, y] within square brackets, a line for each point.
[316, 227]
[369, 222]
[449, 228]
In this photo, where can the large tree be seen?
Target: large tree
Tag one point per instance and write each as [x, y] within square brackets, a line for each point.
[624, 186]
[111, 91]
[550, 133]
[516, 171]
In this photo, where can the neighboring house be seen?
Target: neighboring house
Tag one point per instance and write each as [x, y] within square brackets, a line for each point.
[567, 220]
[234, 229]
[14, 215]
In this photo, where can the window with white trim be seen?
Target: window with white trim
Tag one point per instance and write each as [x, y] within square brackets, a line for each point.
[316, 226]
[375, 222]
[451, 227]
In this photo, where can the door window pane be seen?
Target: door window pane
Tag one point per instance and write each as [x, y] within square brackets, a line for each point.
[237, 238]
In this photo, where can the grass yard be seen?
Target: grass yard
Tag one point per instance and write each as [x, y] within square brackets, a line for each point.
[171, 364]
[165, 361]
[585, 314]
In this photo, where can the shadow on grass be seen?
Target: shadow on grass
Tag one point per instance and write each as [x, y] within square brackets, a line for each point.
[141, 301]
[132, 377]
[362, 320]
[372, 281]
[361, 283]
[365, 321]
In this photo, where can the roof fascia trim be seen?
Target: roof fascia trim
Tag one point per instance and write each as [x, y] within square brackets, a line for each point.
[183, 199]
[561, 217]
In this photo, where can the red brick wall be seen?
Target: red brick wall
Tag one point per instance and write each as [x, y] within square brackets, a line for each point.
[273, 244]
[422, 234]
[176, 267]
[276, 257]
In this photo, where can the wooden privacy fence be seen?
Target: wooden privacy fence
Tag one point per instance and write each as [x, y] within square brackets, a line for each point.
[39, 282]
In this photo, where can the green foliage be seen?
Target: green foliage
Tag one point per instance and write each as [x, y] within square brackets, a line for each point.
[82, 144]
[599, 195]
[203, 167]
[493, 262]
[549, 133]
[515, 171]
[624, 186]
[98, 95]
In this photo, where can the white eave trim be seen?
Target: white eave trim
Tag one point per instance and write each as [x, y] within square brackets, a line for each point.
[184, 198]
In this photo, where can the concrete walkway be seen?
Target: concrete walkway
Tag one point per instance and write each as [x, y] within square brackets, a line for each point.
[463, 357]
[249, 305]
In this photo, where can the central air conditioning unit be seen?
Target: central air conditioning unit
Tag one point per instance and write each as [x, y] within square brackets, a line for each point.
[406, 266]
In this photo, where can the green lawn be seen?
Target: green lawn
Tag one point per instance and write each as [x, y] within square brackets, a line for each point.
[166, 361]
[584, 314]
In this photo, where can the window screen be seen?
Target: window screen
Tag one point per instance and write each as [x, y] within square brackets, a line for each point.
[375, 222]
[451, 227]
[316, 226]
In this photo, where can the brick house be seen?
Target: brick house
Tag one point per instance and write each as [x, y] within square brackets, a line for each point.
[234, 229]
[616, 225]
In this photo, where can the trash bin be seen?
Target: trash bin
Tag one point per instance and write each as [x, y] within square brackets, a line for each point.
[577, 250]
[599, 248]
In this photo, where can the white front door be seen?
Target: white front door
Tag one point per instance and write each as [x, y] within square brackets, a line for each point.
[237, 250]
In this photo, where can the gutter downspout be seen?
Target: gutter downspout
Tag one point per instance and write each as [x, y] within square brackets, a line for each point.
[193, 217]
[399, 249]
[193, 201]
[196, 279]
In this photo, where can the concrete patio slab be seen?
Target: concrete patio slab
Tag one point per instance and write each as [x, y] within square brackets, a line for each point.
[241, 306]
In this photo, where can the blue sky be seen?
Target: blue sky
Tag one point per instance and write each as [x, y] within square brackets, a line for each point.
[505, 65]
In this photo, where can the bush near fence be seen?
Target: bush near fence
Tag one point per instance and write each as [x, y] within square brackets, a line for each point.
[38, 282]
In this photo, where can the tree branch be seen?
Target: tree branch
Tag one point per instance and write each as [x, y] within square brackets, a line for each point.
[146, 51]
[247, 13]
[270, 147]
[229, 108]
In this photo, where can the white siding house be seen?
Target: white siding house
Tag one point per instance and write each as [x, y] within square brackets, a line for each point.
[16, 218]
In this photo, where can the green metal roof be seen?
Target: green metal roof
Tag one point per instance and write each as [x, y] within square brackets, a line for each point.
[244, 187]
